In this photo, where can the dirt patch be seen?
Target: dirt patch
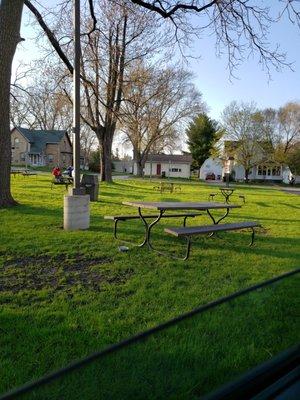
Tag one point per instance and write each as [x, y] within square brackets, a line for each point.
[59, 273]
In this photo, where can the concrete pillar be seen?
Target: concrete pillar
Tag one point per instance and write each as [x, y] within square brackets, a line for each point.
[76, 212]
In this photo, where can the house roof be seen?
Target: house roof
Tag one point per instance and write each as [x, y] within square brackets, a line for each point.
[40, 138]
[173, 158]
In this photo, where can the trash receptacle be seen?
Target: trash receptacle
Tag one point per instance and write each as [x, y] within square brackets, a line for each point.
[91, 185]
[163, 174]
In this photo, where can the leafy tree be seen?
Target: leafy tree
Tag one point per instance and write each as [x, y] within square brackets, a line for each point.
[202, 134]
[242, 123]
[289, 120]
[293, 159]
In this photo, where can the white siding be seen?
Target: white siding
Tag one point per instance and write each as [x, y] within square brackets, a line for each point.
[211, 166]
[123, 166]
[183, 170]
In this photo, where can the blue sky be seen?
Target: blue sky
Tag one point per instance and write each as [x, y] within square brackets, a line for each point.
[212, 76]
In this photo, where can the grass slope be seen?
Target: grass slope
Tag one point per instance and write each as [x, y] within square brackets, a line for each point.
[66, 294]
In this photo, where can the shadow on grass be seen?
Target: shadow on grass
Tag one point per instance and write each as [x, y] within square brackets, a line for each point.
[185, 360]
[262, 204]
[131, 186]
[224, 242]
[37, 210]
[112, 194]
[290, 205]
[259, 218]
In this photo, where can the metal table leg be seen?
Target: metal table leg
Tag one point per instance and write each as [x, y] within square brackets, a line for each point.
[252, 237]
[216, 222]
[219, 220]
[148, 227]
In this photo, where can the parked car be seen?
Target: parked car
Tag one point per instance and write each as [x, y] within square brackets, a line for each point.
[210, 177]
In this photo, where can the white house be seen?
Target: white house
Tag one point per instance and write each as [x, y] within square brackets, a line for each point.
[211, 169]
[167, 165]
[123, 166]
[263, 172]
[215, 168]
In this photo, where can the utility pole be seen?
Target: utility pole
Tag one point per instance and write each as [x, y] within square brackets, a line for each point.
[76, 97]
[77, 203]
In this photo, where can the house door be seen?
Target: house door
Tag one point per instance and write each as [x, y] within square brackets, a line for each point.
[158, 169]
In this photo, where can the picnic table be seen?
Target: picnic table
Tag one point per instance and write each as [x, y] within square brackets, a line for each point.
[167, 187]
[18, 171]
[226, 192]
[162, 207]
[63, 180]
[29, 173]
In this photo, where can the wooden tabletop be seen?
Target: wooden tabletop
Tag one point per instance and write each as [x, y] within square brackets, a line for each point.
[176, 205]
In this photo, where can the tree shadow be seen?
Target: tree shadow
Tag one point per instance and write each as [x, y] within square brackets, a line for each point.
[290, 205]
[37, 210]
[262, 204]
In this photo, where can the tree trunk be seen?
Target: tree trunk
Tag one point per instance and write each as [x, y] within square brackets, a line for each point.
[139, 169]
[140, 162]
[105, 159]
[246, 174]
[10, 21]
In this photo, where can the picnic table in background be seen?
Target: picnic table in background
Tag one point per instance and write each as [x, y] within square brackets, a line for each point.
[29, 173]
[226, 192]
[15, 172]
[22, 171]
[167, 187]
[63, 180]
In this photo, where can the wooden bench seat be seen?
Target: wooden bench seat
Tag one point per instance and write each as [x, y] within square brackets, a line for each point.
[187, 232]
[28, 173]
[125, 217]
[117, 218]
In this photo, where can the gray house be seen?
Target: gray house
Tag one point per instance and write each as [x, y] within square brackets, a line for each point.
[41, 147]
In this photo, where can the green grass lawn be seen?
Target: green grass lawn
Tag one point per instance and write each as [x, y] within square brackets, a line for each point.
[64, 294]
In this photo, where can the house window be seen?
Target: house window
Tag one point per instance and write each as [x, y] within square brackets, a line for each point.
[22, 157]
[262, 170]
[276, 171]
[17, 142]
[50, 157]
[174, 169]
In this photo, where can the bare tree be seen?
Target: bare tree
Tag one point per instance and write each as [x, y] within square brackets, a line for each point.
[241, 28]
[88, 143]
[158, 102]
[39, 102]
[243, 135]
[280, 131]
[126, 33]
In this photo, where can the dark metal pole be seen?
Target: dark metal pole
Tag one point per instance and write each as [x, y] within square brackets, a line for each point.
[227, 179]
[76, 97]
